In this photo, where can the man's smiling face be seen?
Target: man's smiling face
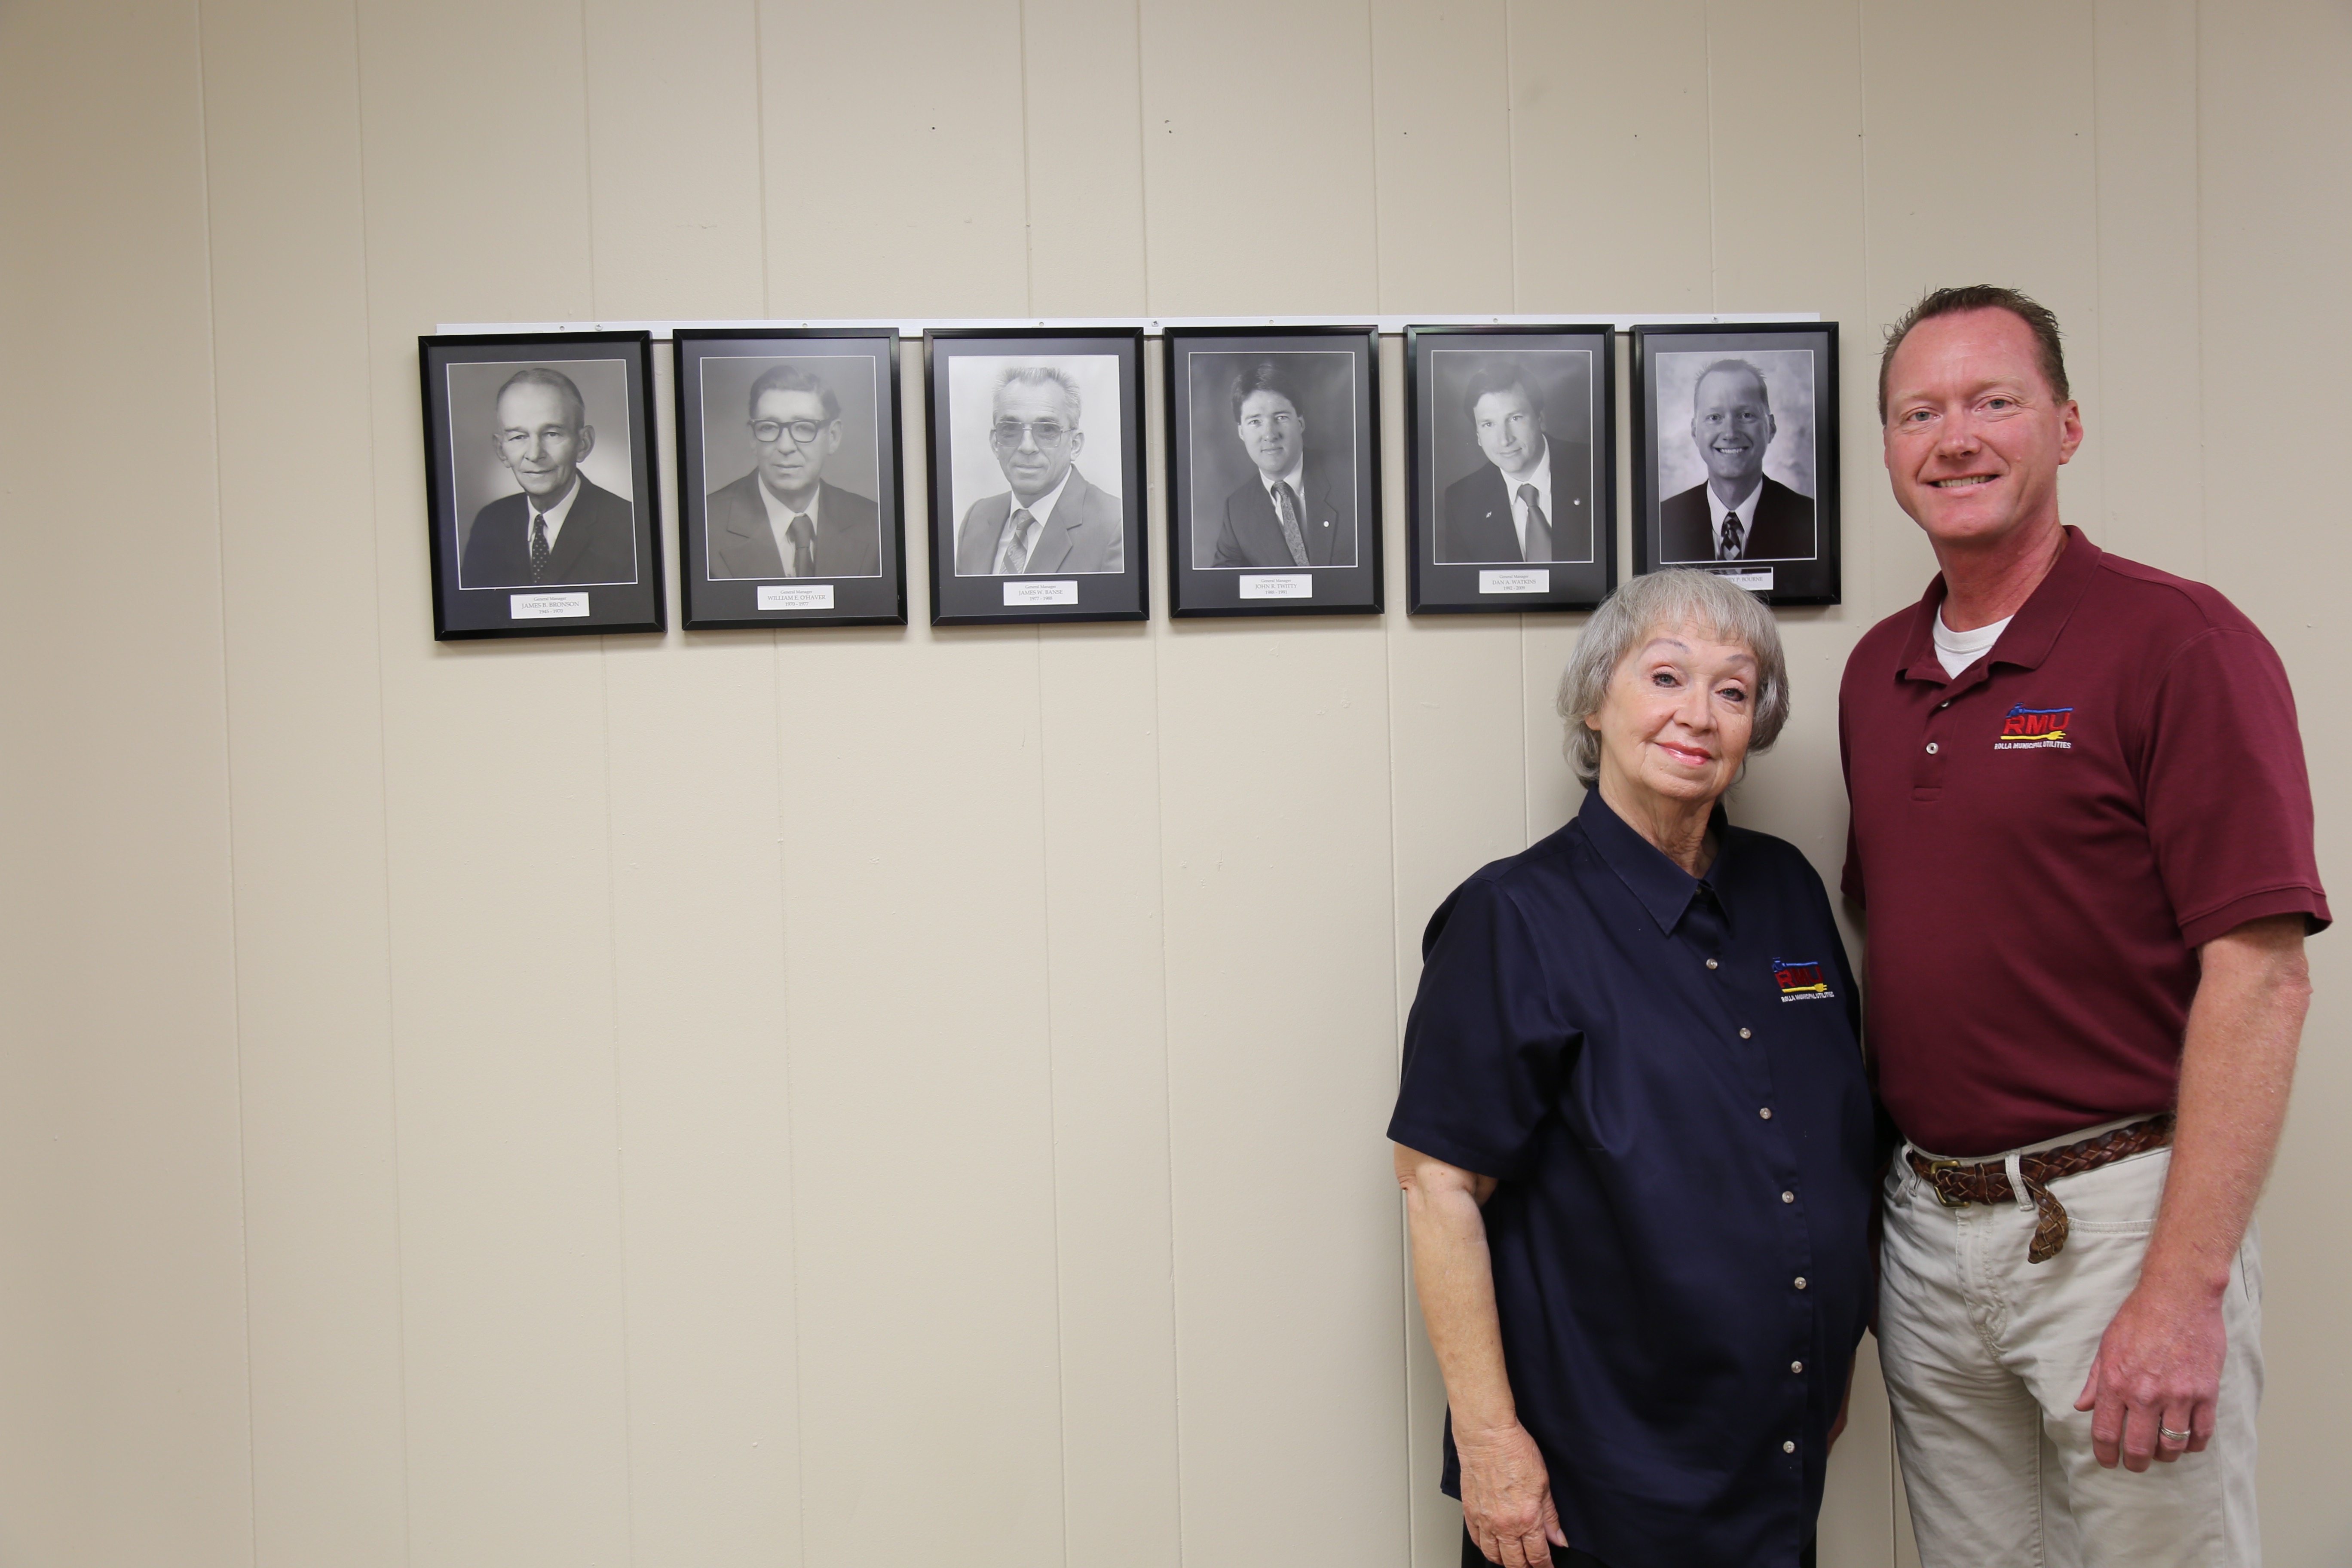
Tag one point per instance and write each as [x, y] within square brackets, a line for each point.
[1975, 436]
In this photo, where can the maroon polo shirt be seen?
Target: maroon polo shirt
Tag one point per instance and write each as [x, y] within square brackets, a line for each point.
[2043, 843]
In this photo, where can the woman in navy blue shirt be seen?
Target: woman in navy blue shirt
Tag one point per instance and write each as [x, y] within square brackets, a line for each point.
[1634, 1134]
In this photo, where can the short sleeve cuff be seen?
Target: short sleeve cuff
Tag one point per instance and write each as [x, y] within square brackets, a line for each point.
[2308, 902]
[1462, 1154]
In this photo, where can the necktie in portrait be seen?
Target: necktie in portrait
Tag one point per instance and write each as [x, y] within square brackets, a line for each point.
[803, 535]
[1538, 544]
[538, 546]
[1285, 507]
[1016, 554]
[1729, 540]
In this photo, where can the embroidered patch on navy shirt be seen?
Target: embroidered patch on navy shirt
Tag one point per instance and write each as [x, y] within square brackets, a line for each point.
[1801, 980]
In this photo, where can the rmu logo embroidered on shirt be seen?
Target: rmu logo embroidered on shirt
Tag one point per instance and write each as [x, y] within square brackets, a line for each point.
[2024, 728]
[1799, 980]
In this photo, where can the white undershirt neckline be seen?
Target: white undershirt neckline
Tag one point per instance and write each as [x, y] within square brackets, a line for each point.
[1958, 650]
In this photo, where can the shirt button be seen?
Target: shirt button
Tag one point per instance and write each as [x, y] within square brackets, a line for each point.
[1710, 963]
[1931, 748]
[1766, 1112]
[1801, 1281]
[1743, 1034]
[1797, 1367]
[1788, 1197]
[1787, 1448]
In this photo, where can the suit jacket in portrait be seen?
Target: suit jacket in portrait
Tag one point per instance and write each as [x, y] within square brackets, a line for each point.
[741, 542]
[1477, 523]
[1252, 533]
[597, 543]
[1087, 532]
[1782, 529]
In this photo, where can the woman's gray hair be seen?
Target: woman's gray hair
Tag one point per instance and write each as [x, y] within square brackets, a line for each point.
[1667, 601]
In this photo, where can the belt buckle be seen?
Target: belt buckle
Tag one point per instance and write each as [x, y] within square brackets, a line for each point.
[1941, 1196]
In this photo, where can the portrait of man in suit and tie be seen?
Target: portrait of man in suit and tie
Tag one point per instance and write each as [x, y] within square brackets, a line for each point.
[1737, 512]
[1531, 499]
[558, 527]
[1298, 508]
[1051, 517]
[785, 517]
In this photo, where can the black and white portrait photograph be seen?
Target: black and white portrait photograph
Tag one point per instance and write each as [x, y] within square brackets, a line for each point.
[1273, 501]
[788, 469]
[1737, 462]
[1510, 467]
[540, 461]
[1037, 508]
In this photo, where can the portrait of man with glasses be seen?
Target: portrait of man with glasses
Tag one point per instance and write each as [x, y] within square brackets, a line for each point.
[1051, 517]
[560, 526]
[785, 519]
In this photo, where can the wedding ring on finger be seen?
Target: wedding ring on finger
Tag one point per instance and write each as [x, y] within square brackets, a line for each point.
[2169, 1436]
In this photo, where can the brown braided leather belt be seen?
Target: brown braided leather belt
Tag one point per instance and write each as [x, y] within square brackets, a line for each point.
[1958, 1186]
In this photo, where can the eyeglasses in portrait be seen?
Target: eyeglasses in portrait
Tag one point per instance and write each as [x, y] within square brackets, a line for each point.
[1735, 464]
[1272, 469]
[790, 508]
[1510, 466]
[539, 499]
[1036, 476]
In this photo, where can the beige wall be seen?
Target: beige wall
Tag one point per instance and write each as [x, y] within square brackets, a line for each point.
[824, 1097]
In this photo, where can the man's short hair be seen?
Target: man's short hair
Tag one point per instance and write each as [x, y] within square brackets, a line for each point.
[792, 378]
[1043, 375]
[1266, 375]
[539, 375]
[1979, 296]
[1508, 378]
[1763, 387]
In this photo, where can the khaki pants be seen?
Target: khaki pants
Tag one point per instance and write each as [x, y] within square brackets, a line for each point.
[1984, 1354]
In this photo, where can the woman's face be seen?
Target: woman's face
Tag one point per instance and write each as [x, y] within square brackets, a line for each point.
[1675, 719]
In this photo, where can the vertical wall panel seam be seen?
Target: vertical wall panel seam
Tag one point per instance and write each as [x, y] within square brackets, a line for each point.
[588, 194]
[1028, 228]
[228, 788]
[1372, 116]
[1713, 242]
[791, 1099]
[1511, 173]
[1168, 1060]
[1143, 222]
[1053, 1115]
[383, 807]
[760, 124]
[2197, 216]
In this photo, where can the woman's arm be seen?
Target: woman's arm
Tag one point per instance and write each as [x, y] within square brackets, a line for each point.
[1505, 1491]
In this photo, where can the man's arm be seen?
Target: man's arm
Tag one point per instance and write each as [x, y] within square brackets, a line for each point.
[2161, 1360]
[1505, 1492]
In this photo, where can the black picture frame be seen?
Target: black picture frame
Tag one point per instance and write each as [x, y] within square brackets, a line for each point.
[1099, 569]
[1794, 539]
[1465, 545]
[733, 570]
[1225, 546]
[605, 572]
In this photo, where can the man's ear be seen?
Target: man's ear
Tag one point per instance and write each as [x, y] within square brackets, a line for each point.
[587, 445]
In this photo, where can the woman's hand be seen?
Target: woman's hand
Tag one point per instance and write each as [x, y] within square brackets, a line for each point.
[1507, 1497]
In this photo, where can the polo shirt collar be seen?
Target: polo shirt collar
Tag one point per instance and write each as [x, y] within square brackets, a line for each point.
[2032, 632]
[1662, 888]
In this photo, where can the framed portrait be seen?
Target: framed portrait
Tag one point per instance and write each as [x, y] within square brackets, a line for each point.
[1036, 447]
[789, 503]
[1274, 495]
[1510, 462]
[539, 460]
[1736, 455]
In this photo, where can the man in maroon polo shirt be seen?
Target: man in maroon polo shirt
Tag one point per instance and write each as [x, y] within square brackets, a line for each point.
[2082, 832]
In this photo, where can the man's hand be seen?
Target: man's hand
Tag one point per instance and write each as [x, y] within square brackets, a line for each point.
[2159, 1365]
[1507, 1497]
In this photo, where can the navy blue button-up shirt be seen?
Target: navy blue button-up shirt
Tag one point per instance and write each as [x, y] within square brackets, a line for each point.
[1663, 1074]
